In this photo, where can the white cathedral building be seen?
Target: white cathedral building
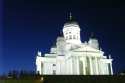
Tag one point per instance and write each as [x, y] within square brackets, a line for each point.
[70, 56]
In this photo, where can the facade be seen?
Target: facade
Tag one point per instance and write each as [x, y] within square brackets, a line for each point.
[70, 56]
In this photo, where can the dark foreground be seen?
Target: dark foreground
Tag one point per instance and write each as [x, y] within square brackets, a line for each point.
[67, 79]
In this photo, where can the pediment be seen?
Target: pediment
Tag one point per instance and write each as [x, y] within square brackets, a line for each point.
[86, 48]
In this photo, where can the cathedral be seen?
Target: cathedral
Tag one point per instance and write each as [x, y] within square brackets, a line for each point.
[70, 56]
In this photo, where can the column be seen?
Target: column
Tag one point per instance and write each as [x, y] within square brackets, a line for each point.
[96, 65]
[84, 69]
[77, 58]
[71, 66]
[39, 67]
[107, 71]
[99, 66]
[91, 69]
[102, 68]
[111, 68]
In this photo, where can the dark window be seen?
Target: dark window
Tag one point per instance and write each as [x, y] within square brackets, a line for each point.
[54, 72]
[61, 55]
[70, 37]
[74, 37]
[54, 64]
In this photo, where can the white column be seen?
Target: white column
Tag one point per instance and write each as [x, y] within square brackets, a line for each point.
[101, 67]
[77, 58]
[71, 66]
[96, 65]
[106, 66]
[111, 65]
[84, 69]
[39, 67]
[91, 69]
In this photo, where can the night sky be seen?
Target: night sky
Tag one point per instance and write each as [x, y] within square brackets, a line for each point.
[32, 25]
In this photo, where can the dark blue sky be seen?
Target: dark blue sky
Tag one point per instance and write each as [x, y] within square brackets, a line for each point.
[32, 25]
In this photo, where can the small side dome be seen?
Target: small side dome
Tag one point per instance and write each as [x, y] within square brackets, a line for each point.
[60, 39]
[93, 41]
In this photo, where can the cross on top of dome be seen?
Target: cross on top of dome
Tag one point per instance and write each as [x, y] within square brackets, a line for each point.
[70, 16]
[71, 20]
